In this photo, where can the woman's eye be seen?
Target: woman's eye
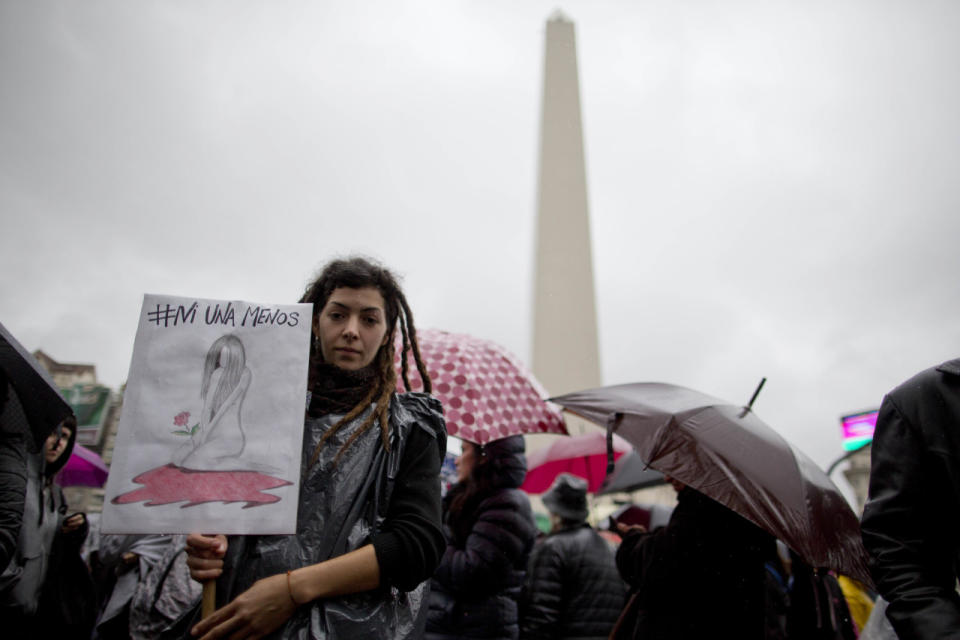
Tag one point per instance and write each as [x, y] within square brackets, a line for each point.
[371, 320]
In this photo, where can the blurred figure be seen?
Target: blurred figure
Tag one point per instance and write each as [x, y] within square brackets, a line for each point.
[911, 522]
[165, 594]
[818, 609]
[130, 559]
[490, 532]
[573, 589]
[701, 576]
[46, 586]
[804, 602]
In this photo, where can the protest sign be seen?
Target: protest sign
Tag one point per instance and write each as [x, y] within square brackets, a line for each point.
[211, 427]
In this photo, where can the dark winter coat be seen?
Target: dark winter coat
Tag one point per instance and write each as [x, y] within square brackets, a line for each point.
[573, 589]
[911, 522]
[476, 588]
[701, 576]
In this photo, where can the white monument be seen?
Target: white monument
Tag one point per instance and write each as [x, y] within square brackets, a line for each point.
[565, 351]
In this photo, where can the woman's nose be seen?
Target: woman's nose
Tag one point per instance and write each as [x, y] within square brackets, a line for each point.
[352, 327]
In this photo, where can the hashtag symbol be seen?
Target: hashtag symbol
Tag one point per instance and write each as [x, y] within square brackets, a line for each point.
[161, 315]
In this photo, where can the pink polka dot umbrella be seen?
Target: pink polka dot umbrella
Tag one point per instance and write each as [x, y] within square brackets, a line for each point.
[487, 393]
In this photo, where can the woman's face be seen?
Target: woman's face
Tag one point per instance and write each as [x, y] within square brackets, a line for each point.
[351, 327]
[468, 458]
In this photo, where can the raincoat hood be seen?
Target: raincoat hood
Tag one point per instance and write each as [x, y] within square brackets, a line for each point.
[52, 468]
[508, 461]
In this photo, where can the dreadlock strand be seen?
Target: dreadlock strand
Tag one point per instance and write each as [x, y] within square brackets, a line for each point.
[408, 315]
[383, 402]
[405, 340]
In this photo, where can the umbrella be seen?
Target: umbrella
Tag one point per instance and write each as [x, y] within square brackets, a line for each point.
[487, 393]
[630, 473]
[84, 468]
[37, 406]
[730, 455]
[584, 456]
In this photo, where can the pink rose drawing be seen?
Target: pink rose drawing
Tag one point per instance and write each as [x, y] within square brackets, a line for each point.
[182, 420]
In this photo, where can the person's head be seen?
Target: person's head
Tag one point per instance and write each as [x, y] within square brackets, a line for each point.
[676, 484]
[59, 438]
[358, 307]
[481, 470]
[566, 500]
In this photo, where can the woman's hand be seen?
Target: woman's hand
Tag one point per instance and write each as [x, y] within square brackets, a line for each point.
[253, 614]
[205, 556]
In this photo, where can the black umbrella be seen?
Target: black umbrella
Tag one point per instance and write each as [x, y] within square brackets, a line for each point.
[727, 453]
[35, 406]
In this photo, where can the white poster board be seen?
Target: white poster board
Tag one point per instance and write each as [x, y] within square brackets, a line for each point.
[211, 427]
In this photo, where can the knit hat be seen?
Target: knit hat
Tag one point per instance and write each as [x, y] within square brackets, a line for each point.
[567, 497]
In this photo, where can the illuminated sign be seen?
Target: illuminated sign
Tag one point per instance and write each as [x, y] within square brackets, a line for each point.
[858, 429]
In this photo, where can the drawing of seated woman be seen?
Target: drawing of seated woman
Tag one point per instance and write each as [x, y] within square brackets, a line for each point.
[220, 440]
[368, 525]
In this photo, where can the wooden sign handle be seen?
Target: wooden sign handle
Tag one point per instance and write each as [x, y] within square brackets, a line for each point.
[209, 604]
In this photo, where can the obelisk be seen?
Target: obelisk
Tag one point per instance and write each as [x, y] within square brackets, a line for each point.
[565, 351]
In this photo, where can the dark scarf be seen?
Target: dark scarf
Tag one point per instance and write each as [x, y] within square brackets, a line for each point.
[337, 390]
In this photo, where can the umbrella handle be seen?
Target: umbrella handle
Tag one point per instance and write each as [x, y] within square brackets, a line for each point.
[614, 419]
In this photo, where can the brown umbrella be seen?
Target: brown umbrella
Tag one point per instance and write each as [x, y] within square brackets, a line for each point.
[730, 455]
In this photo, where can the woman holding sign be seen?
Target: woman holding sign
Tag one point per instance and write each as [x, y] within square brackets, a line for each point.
[368, 524]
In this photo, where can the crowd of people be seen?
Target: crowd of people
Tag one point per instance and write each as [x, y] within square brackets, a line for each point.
[382, 552]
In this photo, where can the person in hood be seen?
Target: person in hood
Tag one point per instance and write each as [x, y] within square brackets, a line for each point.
[490, 532]
[573, 589]
[368, 523]
[32, 584]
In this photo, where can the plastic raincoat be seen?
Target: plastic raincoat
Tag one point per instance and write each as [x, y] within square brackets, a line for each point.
[370, 496]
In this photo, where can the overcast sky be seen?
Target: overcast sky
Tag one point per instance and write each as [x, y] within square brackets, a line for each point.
[773, 184]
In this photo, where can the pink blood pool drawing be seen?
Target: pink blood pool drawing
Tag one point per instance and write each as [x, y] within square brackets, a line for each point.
[170, 484]
[208, 466]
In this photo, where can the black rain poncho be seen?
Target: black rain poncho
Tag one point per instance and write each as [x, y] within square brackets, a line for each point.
[347, 505]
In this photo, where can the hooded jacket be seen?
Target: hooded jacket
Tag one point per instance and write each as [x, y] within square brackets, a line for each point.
[43, 511]
[476, 587]
[911, 522]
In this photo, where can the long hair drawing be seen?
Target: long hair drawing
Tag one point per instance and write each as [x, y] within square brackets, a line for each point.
[228, 355]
